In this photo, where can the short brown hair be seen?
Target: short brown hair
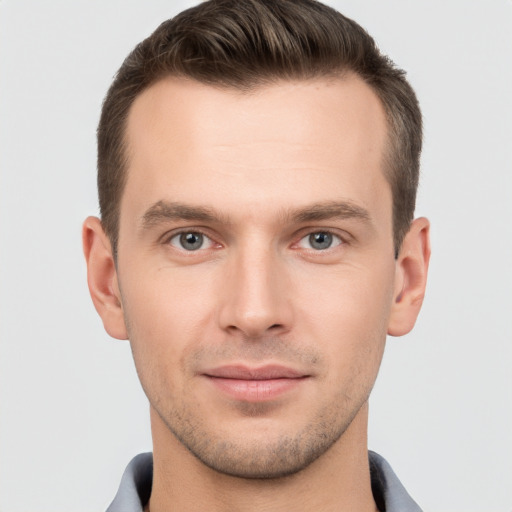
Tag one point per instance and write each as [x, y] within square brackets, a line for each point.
[243, 44]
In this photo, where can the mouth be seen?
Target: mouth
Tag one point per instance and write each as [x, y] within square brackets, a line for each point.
[255, 384]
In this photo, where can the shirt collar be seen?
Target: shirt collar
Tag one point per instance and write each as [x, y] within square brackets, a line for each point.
[135, 489]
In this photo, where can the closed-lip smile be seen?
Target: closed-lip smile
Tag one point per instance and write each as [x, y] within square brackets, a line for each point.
[255, 384]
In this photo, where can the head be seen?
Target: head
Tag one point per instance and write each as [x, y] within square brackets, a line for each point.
[257, 169]
[246, 45]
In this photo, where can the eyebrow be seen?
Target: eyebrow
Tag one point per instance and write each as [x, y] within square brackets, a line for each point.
[164, 211]
[331, 210]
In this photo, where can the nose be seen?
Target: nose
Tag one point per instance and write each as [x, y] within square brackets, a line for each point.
[255, 295]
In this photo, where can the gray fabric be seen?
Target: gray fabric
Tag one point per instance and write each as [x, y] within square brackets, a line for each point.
[389, 493]
[135, 489]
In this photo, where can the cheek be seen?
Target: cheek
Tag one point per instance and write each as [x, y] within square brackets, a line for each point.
[347, 313]
[167, 313]
[166, 302]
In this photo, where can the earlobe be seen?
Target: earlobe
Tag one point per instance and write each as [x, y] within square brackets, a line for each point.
[102, 278]
[410, 278]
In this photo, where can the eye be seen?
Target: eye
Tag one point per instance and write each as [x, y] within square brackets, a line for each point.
[320, 241]
[191, 241]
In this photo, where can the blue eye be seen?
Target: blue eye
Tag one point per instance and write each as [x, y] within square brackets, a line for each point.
[190, 241]
[320, 241]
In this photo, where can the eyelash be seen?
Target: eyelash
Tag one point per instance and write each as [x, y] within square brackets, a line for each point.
[307, 236]
[176, 235]
[336, 241]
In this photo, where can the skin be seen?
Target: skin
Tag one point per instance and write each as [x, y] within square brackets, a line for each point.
[256, 174]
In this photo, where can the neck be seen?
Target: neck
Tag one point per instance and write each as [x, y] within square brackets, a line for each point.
[339, 480]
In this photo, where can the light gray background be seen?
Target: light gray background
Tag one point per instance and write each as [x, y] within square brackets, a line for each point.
[71, 411]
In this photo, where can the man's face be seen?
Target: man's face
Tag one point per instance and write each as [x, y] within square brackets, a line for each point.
[256, 265]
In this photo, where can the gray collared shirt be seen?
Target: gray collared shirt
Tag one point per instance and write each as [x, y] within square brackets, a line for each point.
[135, 489]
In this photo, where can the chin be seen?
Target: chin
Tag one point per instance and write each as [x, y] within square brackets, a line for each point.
[260, 455]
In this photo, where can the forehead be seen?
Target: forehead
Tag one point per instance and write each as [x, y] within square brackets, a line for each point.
[285, 143]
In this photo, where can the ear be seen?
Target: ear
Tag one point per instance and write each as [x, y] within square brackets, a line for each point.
[410, 278]
[102, 278]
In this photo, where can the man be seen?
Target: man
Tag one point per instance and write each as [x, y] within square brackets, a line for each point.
[257, 170]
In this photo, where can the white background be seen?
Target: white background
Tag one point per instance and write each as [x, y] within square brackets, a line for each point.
[71, 410]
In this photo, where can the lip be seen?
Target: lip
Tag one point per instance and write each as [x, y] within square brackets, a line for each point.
[255, 384]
